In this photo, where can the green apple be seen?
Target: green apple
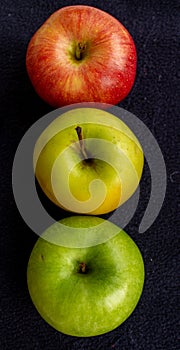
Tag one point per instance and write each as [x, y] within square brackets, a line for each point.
[85, 289]
[88, 161]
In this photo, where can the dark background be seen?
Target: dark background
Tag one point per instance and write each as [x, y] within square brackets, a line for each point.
[153, 99]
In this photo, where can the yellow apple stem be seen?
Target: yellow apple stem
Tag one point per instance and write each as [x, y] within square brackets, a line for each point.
[80, 137]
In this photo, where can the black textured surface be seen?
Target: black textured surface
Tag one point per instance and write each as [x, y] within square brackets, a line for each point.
[154, 99]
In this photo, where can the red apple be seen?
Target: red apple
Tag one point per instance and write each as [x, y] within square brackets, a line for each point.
[81, 54]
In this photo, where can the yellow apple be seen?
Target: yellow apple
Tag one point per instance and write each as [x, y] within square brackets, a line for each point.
[88, 161]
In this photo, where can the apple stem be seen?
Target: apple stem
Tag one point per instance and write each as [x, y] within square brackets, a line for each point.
[80, 49]
[80, 137]
[82, 267]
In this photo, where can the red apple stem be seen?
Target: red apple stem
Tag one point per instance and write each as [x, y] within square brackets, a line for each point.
[80, 49]
[80, 137]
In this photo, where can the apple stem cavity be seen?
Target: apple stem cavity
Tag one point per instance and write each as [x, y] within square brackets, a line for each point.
[81, 142]
[79, 52]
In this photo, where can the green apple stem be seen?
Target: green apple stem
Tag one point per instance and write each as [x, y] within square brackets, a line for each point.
[80, 49]
[82, 268]
[80, 137]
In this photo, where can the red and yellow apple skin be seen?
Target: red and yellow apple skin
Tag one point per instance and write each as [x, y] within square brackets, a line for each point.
[81, 54]
[96, 184]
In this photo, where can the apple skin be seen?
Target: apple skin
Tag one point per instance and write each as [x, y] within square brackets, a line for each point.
[88, 302]
[66, 178]
[106, 66]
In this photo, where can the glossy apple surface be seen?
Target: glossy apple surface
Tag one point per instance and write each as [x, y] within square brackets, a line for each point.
[94, 175]
[81, 54]
[85, 291]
